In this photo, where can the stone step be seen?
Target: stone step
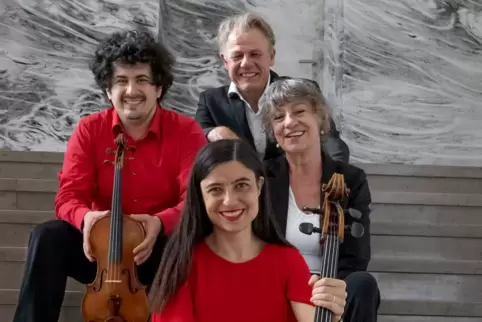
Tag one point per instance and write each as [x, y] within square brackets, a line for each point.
[37, 194]
[386, 219]
[392, 307]
[70, 311]
[430, 294]
[27, 194]
[407, 318]
[30, 165]
[426, 220]
[12, 262]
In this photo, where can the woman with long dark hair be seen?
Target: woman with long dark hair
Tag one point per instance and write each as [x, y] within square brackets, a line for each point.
[227, 261]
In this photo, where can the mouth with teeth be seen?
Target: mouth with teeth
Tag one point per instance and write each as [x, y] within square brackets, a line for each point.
[134, 101]
[248, 75]
[232, 215]
[296, 134]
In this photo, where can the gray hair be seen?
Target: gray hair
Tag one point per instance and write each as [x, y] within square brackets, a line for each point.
[243, 23]
[289, 91]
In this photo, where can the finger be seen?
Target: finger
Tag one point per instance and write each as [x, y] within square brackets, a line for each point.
[141, 247]
[330, 290]
[143, 256]
[329, 298]
[313, 279]
[336, 309]
[88, 252]
[331, 282]
[337, 317]
[141, 218]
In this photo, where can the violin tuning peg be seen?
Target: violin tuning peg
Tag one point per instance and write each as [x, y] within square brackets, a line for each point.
[109, 151]
[108, 161]
[357, 230]
[355, 213]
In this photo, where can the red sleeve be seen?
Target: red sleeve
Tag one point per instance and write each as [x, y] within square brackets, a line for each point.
[194, 140]
[178, 309]
[76, 179]
[297, 288]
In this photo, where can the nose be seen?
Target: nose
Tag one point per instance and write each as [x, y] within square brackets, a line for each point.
[130, 88]
[289, 120]
[229, 198]
[246, 61]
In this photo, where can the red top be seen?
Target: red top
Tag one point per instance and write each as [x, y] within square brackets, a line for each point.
[258, 290]
[154, 174]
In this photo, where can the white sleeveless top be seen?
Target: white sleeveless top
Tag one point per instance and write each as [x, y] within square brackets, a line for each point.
[308, 245]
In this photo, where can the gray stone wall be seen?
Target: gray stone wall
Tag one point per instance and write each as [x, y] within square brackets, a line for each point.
[403, 78]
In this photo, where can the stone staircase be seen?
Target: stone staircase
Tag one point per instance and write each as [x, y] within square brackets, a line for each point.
[426, 243]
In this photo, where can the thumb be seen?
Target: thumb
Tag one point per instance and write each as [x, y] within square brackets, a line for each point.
[102, 213]
[313, 279]
[142, 218]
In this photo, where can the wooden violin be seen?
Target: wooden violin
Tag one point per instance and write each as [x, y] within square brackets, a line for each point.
[332, 232]
[116, 295]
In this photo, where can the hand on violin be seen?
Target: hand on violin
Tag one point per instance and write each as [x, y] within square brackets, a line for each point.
[89, 220]
[329, 293]
[152, 225]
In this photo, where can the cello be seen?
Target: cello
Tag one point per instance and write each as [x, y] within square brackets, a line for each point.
[332, 232]
[116, 295]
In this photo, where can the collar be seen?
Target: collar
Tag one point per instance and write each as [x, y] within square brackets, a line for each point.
[154, 126]
[233, 89]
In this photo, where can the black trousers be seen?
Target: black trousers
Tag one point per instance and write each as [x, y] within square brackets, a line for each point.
[54, 253]
[363, 298]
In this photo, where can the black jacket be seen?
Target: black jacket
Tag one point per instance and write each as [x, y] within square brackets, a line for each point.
[215, 108]
[355, 253]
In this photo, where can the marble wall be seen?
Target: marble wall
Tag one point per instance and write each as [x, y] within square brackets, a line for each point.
[403, 78]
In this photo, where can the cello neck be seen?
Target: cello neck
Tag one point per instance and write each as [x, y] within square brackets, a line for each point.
[333, 225]
[329, 268]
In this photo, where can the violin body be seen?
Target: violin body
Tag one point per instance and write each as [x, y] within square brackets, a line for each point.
[116, 295]
[125, 296]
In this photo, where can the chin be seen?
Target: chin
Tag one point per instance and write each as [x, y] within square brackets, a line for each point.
[295, 148]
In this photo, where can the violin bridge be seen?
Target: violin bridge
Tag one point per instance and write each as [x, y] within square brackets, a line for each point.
[113, 281]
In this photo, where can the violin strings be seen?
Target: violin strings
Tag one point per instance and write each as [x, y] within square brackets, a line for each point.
[329, 262]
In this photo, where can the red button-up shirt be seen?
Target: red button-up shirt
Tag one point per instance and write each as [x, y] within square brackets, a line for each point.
[154, 175]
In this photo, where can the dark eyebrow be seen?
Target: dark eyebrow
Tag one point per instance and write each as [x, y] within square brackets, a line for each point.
[215, 184]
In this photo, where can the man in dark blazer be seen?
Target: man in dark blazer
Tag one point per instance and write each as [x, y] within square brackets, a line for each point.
[247, 49]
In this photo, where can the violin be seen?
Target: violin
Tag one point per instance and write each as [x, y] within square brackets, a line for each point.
[116, 295]
[332, 232]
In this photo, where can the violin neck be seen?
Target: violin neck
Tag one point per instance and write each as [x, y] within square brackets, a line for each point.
[329, 268]
[116, 220]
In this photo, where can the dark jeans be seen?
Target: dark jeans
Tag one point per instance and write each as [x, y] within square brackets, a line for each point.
[54, 253]
[363, 298]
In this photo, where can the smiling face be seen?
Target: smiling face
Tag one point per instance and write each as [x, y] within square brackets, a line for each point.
[296, 127]
[248, 58]
[230, 194]
[133, 94]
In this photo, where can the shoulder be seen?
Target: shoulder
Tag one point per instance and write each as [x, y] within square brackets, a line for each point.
[175, 122]
[97, 118]
[216, 91]
[93, 124]
[353, 175]
[213, 95]
[275, 166]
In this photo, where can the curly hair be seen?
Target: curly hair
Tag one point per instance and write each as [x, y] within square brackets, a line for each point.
[132, 47]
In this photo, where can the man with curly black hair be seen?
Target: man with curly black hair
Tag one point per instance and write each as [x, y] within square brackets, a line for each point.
[134, 71]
